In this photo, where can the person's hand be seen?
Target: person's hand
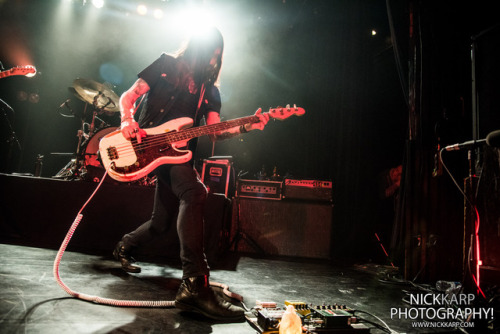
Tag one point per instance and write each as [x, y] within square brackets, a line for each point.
[131, 129]
[264, 118]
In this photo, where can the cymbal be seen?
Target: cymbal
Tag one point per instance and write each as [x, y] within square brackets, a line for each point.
[97, 94]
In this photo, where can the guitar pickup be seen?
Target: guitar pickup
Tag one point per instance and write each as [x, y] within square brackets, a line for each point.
[112, 153]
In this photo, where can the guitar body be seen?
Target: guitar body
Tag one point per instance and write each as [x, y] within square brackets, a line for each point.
[127, 160]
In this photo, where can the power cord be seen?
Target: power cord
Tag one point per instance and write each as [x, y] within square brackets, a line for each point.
[385, 327]
[476, 230]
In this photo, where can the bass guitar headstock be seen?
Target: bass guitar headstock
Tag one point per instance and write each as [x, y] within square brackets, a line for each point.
[282, 113]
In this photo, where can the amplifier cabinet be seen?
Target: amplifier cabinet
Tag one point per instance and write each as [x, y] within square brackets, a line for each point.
[285, 228]
[218, 176]
[259, 189]
[313, 190]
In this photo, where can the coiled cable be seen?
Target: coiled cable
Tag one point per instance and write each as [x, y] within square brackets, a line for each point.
[109, 301]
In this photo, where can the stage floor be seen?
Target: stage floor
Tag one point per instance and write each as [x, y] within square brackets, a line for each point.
[33, 302]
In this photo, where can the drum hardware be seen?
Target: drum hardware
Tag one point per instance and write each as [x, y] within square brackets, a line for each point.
[101, 96]
[86, 164]
[91, 147]
[102, 99]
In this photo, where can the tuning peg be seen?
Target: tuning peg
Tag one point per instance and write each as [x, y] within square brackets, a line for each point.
[294, 106]
[288, 106]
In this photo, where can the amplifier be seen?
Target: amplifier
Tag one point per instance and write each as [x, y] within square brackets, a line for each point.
[259, 189]
[218, 176]
[285, 228]
[315, 190]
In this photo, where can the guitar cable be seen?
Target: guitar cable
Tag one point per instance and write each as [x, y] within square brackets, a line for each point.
[109, 301]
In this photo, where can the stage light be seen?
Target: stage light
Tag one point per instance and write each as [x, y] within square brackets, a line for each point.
[34, 98]
[194, 19]
[374, 32]
[158, 14]
[142, 9]
[98, 3]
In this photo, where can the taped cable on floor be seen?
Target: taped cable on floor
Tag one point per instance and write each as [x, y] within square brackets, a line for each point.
[109, 301]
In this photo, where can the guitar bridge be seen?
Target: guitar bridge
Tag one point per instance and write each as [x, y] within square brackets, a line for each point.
[112, 153]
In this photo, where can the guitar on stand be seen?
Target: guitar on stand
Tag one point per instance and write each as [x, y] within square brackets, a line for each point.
[127, 160]
[28, 71]
[12, 139]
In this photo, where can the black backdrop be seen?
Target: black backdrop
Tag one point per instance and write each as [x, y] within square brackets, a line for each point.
[318, 54]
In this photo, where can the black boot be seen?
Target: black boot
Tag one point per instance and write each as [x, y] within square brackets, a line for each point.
[196, 295]
[122, 254]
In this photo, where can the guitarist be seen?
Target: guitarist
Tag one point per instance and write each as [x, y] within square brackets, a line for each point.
[183, 85]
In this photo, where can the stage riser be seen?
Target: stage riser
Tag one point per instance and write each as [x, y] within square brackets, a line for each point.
[38, 212]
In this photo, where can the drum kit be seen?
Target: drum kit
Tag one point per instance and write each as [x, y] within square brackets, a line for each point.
[86, 164]
[99, 99]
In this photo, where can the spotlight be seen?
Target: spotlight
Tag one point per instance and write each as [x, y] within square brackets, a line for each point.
[374, 32]
[22, 95]
[194, 19]
[98, 3]
[158, 14]
[34, 98]
[142, 9]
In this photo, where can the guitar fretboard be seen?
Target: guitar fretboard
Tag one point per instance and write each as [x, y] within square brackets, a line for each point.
[172, 137]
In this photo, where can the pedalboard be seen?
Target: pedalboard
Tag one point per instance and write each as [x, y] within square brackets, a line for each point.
[269, 319]
[332, 318]
[316, 319]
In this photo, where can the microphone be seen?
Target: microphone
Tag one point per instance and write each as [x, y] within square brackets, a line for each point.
[493, 138]
[467, 145]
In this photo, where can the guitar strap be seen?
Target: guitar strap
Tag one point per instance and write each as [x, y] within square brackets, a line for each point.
[173, 98]
[200, 101]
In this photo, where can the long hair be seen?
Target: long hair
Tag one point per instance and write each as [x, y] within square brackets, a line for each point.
[199, 50]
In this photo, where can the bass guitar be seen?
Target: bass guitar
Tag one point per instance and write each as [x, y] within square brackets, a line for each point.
[127, 160]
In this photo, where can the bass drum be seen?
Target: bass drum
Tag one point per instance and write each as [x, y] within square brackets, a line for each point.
[91, 147]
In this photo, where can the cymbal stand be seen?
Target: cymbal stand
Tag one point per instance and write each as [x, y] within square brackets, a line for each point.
[99, 110]
[72, 170]
[79, 169]
[94, 112]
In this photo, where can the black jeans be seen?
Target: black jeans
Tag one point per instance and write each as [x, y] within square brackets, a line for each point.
[179, 194]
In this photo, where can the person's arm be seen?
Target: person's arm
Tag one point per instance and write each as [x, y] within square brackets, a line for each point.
[129, 126]
[214, 117]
